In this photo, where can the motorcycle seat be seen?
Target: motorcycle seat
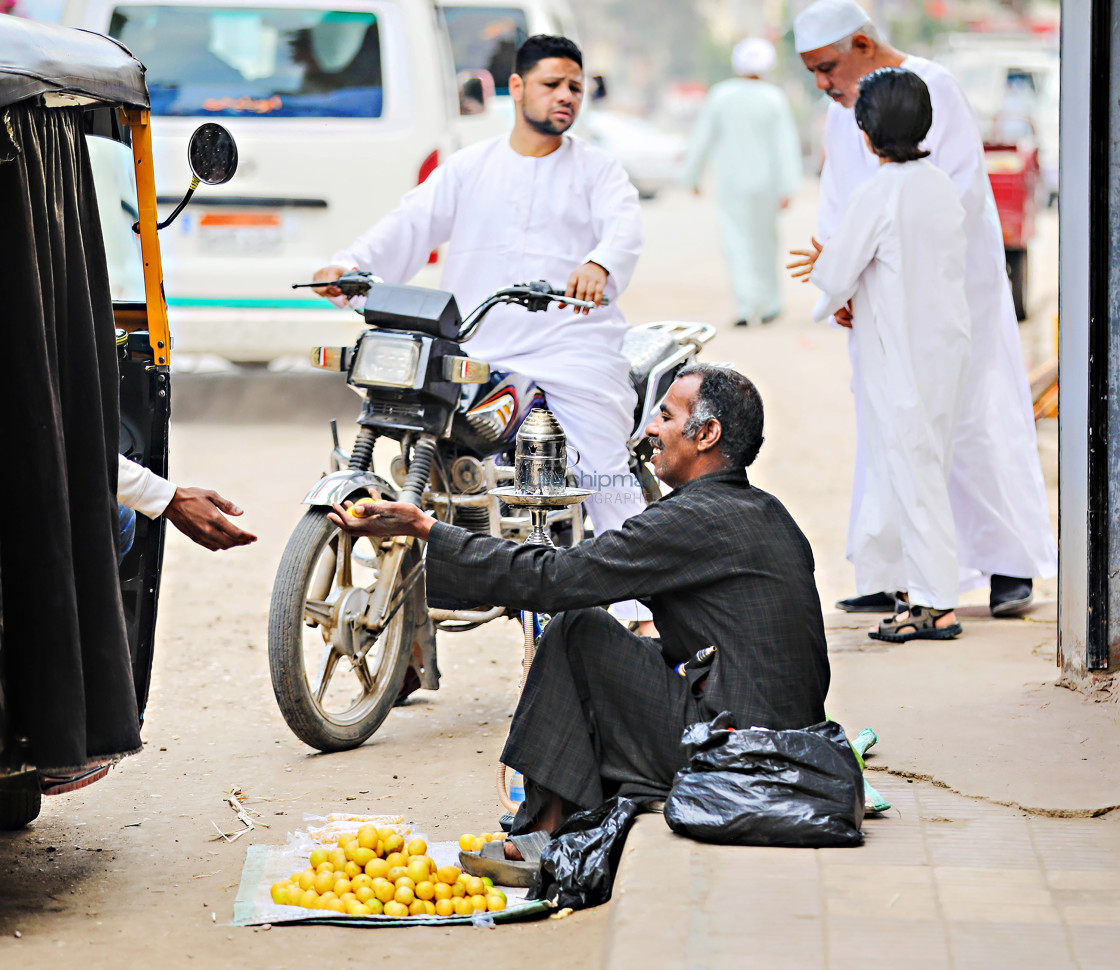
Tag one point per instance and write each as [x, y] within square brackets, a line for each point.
[645, 349]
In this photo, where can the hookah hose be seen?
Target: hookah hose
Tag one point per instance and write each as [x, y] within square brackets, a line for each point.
[530, 628]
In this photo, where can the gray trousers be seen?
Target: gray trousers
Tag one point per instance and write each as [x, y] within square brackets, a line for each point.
[601, 714]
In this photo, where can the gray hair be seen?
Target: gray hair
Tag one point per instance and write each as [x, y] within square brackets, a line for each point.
[726, 396]
[869, 30]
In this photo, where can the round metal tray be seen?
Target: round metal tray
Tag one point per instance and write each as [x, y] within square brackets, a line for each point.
[511, 496]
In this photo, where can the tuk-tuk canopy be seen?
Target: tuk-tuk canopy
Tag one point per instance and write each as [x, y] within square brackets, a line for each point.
[45, 59]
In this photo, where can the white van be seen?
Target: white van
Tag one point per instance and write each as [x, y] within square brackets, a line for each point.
[338, 107]
[484, 40]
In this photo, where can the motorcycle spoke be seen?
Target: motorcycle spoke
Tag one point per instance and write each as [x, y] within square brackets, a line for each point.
[327, 666]
[344, 576]
[364, 676]
[317, 612]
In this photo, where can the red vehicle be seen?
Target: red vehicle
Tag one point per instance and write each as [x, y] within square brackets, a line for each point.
[1014, 174]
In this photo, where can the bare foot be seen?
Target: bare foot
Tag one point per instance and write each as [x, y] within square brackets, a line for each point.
[511, 852]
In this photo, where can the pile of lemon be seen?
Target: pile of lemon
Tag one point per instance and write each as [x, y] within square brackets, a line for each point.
[373, 872]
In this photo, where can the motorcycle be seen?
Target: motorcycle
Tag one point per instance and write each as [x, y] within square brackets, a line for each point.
[350, 631]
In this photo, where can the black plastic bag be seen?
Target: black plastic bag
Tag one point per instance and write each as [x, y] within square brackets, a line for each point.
[579, 864]
[762, 787]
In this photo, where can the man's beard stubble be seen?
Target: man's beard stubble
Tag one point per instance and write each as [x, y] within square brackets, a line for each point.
[544, 126]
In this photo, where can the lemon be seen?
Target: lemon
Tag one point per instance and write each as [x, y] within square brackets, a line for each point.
[466, 843]
[325, 867]
[463, 906]
[395, 873]
[488, 882]
[308, 899]
[425, 890]
[396, 859]
[394, 908]
[354, 908]
[444, 907]
[417, 847]
[356, 882]
[335, 904]
[478, 901]
[458, 890]
[419, 868]
[280, 893]
[374, 906]
[405, 895]
[495, 904]
[319, 856]
[377, 867]
[324, 881]
[393, 843]
[363, 857]
[442, 891]
[351, 869]
[338, 859]
[477, 844]
[417, 908]
[365, 893]
[429, 907]
[341, 886]
[475, 886]
[306, 879]
[383, 889]
[367, 836]
[447, 874]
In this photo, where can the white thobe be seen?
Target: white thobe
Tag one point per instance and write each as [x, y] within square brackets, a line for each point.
[747, 130]
[995, 484]
[899, 256]
[509, 218]
[142, 489]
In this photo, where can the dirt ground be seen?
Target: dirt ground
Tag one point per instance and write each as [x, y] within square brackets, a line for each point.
[132, 871]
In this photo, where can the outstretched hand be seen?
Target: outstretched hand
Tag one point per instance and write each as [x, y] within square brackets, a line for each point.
[587, 282]
[197, 513]
[378, 519]
[804, 266]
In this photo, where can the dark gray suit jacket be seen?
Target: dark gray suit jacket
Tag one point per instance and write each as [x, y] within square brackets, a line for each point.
[717, 561]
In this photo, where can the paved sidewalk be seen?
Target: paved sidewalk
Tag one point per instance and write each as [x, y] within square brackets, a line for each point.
[942, 881]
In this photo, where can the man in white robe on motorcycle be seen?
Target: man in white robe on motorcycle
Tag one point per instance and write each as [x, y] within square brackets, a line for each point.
[535, 204]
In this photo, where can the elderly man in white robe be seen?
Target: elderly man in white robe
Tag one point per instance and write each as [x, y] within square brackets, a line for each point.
[535, 204]
[746, 129]
[996, 487]
[898, 256]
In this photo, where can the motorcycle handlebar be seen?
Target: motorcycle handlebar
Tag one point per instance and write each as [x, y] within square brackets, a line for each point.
[533, 296]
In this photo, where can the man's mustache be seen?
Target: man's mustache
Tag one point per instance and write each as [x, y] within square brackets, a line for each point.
[835, 93]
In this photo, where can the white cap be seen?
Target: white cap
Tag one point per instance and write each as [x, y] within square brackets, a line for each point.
[826, 22]
[753, 56]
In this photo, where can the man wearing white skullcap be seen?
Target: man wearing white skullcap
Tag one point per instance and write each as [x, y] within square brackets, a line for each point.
[747, 131]
[996, 487]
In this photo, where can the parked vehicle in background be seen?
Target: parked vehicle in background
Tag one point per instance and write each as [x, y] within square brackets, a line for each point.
[1011, 82]
[338, 110]
[652, 158]
[484, 38]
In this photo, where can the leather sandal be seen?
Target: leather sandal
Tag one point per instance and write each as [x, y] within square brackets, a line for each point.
[918, 623]
[492, 861]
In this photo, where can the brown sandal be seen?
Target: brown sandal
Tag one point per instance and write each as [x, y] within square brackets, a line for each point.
[918, 623]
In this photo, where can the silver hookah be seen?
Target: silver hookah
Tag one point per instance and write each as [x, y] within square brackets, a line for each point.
[540, 474]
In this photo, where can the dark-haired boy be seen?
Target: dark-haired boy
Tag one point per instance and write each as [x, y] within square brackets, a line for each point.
[898, 257]
[720, 563]
[535, 204]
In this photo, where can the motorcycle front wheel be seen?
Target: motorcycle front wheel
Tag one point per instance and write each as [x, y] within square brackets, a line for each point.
[335, 682]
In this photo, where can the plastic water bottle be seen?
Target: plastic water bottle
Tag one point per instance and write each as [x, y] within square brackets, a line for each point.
[517, 787]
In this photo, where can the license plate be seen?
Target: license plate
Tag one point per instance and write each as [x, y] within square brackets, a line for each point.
[240, 232]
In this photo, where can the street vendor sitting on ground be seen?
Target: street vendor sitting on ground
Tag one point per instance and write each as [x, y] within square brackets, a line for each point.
[719, 562]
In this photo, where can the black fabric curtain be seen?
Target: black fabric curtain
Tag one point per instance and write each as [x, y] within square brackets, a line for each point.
[65, 652]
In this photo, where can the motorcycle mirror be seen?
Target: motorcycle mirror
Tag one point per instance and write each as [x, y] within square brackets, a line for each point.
[212, 154]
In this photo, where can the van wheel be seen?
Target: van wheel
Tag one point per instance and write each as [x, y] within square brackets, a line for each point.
[20, 800]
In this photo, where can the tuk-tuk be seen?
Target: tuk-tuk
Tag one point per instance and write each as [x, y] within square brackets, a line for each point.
[87, 354]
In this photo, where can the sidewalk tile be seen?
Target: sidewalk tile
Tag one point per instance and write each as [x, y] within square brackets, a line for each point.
[985, 946]
[1096, 947]
[1082, 880]
[1093, 915]
[856, 944]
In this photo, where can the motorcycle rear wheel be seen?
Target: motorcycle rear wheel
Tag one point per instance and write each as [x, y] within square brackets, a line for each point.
[330, 701]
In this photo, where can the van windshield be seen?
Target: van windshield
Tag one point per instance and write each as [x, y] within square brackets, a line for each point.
[246, 61]
[486, 39]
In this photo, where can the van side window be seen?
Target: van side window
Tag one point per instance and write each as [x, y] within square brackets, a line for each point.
[486, 39]
[256, 61]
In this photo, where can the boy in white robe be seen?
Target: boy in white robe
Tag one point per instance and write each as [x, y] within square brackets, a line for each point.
[535, 204]
[898, 255]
